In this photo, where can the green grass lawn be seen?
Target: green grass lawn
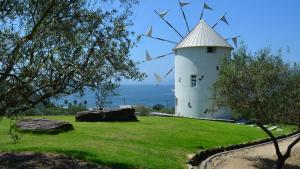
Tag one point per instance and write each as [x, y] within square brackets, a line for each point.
[154, 142]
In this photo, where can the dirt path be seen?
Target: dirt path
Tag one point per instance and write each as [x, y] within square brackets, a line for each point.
[261, 157]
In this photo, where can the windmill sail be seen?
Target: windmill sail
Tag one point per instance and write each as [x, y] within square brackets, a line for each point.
[148, 56]
[163, 14]
[182, 3]
[205, 6]
[157, 78]
[168, 23]
[149, 32]
[223, 18]
[234, 40]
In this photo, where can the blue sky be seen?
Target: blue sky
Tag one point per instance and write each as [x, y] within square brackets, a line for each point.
[260, 23]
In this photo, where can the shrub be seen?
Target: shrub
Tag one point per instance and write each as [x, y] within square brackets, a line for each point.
[144, 111]
[158, 107]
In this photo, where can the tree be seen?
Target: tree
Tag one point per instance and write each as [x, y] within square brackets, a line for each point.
[60, 47]
[260, 87]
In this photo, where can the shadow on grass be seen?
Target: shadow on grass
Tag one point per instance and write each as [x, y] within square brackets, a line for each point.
[265, 163]
[86, 156]
[45, 161]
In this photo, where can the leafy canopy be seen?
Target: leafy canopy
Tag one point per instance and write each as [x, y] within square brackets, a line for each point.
[58, 47]
[260, 86]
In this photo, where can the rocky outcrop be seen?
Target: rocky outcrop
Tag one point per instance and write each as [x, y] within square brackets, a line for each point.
[115, 115]
[43, 126]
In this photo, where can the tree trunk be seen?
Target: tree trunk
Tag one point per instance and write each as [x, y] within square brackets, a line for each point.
[280, 162]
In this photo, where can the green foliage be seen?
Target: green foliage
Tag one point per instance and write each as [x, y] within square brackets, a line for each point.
[168, 110]
[60, 47]
[51, 109]
[158, 107]
[153, 142]
[145, 111]
[259, 86]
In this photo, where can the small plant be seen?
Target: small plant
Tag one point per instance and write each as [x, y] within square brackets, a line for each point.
[12, 128]
[144, 111]
[158, 107]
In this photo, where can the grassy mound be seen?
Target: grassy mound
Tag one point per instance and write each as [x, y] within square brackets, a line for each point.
[154, 142]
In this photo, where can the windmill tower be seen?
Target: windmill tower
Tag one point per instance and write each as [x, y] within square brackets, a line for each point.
[197, 59]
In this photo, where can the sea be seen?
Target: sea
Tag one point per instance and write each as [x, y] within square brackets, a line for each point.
[146, 95]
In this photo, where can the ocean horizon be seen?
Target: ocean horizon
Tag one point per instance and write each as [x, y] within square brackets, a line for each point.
[146, 95]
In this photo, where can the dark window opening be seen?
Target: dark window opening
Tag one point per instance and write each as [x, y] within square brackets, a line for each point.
[202, 77]
[194, 80]
[189, 104]
[176, 101]
[211, 50]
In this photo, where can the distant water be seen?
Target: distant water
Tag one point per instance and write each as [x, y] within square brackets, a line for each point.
[147, 95]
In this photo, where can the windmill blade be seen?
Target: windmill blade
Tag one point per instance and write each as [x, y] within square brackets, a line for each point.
[157, 78]
[205, 6]
[168, 23]
[169, 72]
[223, 18]
[163, 14]
[149, 58]
[234, 40]
[160, 39]
[149, 32]
[158, 57]
[181, 4]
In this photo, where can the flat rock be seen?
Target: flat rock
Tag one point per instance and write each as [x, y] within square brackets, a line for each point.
[43, 126]
[115, 115]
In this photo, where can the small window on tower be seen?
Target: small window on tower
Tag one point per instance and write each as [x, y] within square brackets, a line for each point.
[211, 50]
[194, 80]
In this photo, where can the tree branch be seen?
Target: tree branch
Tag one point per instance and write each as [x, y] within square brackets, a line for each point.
[289, 149]
[272, 137]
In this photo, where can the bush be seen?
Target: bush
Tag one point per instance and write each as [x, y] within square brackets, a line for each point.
[168, 110]
[53, 110]
[158, 107]
[144, 111]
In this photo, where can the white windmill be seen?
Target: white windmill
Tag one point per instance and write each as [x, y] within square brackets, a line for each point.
[197, 59]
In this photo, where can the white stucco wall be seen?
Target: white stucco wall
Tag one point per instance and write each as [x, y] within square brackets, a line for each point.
[196, 61]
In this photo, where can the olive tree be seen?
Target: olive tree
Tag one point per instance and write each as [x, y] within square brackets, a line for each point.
[60, 47]
[260, 87]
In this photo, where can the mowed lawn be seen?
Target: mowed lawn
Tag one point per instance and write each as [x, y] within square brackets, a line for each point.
[154, 142]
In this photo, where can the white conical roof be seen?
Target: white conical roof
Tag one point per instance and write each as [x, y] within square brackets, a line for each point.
[203, 35]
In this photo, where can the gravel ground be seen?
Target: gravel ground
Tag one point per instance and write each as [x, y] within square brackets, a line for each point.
[261, 157]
